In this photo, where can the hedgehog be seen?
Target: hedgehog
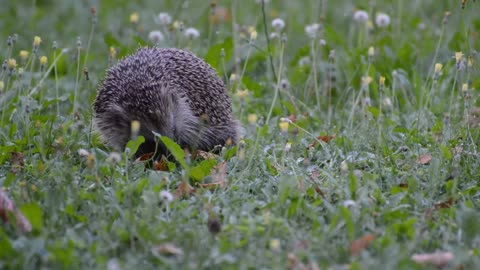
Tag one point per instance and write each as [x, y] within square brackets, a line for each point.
[170, 92]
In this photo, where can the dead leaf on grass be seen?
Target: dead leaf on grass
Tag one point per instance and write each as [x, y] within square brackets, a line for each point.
[167, 249]
[17, 161]
[424, 159]
[184, 190]
[438, 259]
[358, 245]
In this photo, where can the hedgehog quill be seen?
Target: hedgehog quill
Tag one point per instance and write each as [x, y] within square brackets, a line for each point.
[170, 92]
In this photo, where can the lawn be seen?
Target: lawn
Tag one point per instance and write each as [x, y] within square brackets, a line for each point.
[360, 150]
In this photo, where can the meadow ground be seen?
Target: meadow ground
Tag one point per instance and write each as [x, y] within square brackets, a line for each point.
[360, 150]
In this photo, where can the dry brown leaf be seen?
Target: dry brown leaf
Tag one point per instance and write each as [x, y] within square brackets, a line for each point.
[438, 259]
[219, 173]
[7, 206]
[161, 165]
[324, 138]
[146, 156]
[424, 159]
[358, 245]
[167, 249]
[205, 155]
[442, 205]
[184, 190]
[17, 161]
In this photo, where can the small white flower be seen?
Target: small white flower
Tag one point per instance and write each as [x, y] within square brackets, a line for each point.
[387, 103]
[322, 42]
[192, 33]
[312, 30]
[278, 24]
[114, 158]
[382, 20]
[349, 203]
[166, 196]
[156, 36]
[274, 35]
[83, 152]
[304, 61]
[163, 19]
[260, 1]
[360, 16]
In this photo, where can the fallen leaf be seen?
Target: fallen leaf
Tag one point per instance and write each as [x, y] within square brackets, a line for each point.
[161, 165]
[424, 159]
[204, 155]
[146, 156]
[219, 176]
[324, 138]
[442, 205]
[358, 245]
[17, 161]
[292, 118]
[184, 189]
[403, 185]
[7, 206]
[167, 249]
[438, 259]
[219, 173]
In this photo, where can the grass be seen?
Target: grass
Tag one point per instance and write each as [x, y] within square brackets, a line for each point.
[337, 169]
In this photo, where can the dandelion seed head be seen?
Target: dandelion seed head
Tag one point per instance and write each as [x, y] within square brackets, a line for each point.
[156, 36]
[83, 152]
[382, 20]
[163, 18]
[114, 158]
[360, 16]
[192, 33]
[166, 196]
[312, 30]
[278, 24]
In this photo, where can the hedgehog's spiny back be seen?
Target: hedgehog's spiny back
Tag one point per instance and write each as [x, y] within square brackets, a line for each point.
[168, 91]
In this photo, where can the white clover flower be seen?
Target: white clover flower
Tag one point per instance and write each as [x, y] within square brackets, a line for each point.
[360, 16]
[349, 203]
[278, 24]
[274, 35]
[382, 19]
[166, 196]
[312, 30]
[156, 36]
[322, 42]
[163, 19]
[192, 33]
[83, 152]
[114, 158]
[304, 61]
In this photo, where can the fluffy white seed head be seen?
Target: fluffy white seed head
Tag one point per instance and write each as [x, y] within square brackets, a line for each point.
[382, 20]
[192, 33]
[278, 24]
[156, 36]
[360, 16]
[163, 18]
